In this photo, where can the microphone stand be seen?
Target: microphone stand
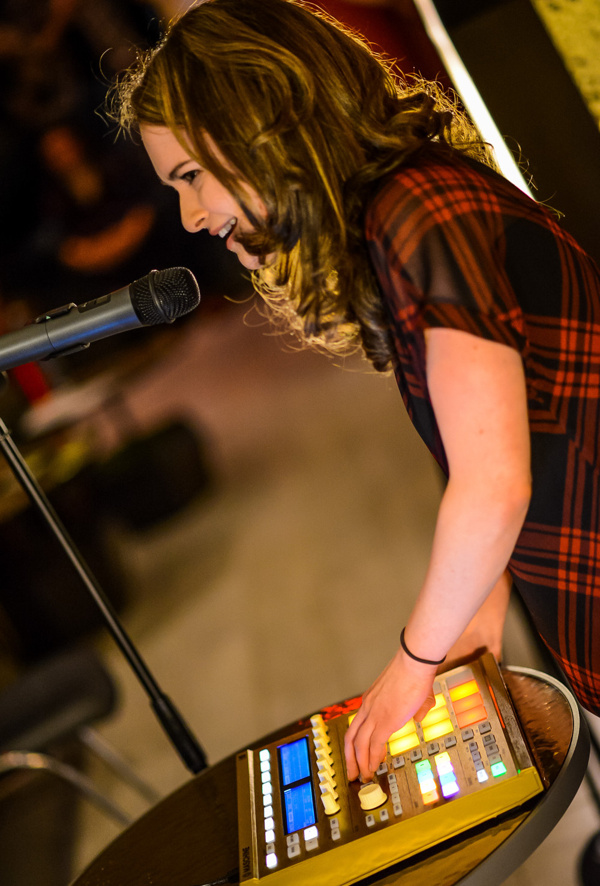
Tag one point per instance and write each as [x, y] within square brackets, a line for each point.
[183, 740]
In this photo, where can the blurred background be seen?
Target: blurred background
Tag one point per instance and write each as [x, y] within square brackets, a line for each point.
[259, 517]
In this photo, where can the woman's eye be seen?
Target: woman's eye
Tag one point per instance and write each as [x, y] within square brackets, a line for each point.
[189, 177]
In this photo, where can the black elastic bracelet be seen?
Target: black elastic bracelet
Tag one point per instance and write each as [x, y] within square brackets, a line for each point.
[426, 661]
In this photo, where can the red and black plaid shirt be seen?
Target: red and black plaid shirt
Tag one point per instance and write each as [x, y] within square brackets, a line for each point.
[456, 245]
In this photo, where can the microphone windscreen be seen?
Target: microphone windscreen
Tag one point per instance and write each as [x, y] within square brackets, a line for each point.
[163, 296]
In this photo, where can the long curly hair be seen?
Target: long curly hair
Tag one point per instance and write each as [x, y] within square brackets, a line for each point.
[308, 115]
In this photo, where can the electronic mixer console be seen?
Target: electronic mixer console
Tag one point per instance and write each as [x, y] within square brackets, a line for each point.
[467, 762]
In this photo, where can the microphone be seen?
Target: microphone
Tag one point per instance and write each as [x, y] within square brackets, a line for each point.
[159, 297]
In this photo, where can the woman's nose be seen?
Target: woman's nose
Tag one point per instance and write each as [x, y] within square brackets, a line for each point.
[193, 216]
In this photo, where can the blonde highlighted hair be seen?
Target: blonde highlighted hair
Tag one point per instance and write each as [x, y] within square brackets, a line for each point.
[303, 111]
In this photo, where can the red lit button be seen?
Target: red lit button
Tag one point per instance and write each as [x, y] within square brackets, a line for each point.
[471, 701]
[474, 715]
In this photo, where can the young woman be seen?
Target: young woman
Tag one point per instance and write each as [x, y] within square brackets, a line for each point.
[371, 215]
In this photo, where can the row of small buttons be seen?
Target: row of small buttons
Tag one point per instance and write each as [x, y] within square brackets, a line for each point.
[371, 819]
[483, 729]
[335, 828]
[476, 757]
[311, 841]
[394, 794]
[492, 750]
[267, 795]
[468, 735]
[415, 755]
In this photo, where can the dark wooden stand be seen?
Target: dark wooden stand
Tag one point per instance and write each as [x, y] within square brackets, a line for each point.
[190, 838]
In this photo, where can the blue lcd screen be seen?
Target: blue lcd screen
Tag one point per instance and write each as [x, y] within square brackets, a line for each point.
[293, 760]
[299, 807]
[296, 784]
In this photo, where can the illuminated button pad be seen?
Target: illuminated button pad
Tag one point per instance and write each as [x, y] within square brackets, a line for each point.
[459, 748]
[431, 749]
[467, 703]
[437, 722]
[427, 785]
[447, 775]
[302, 806]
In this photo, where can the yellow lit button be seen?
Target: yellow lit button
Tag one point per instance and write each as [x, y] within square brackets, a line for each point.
[443, 762]
[463, 690]
[430, 797]
[407, 729]
[400, 745]
[435, 715]
[430, 733]
[440, 702]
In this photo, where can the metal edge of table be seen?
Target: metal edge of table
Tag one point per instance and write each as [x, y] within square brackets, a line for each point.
[553, 803]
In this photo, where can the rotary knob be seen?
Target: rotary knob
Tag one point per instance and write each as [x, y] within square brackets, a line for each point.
[330, 803]
[326, 782]
[318, 724]
[371, 796]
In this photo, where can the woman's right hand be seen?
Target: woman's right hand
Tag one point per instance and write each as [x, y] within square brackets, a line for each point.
[402, 691]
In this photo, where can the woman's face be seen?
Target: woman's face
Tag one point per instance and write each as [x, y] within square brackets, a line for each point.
[204, 202]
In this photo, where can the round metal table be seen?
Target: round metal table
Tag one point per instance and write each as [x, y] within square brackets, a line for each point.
[190, 837]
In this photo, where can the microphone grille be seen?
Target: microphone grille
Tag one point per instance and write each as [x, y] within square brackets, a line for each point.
[163, 296]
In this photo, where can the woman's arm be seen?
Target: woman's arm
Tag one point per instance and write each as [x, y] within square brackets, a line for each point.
[484, 631]
[477, 388]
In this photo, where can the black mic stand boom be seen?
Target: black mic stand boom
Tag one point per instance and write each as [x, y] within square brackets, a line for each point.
[183, 740]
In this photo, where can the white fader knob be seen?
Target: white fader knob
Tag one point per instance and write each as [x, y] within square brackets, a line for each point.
[318, 726]
[325, 763]
[327, 786]
[330, 803]
[371, 796]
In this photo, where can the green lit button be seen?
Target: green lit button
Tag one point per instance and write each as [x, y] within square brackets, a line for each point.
[498, 769]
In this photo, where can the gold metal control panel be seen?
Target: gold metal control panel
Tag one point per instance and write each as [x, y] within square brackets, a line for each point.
[301, 821]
